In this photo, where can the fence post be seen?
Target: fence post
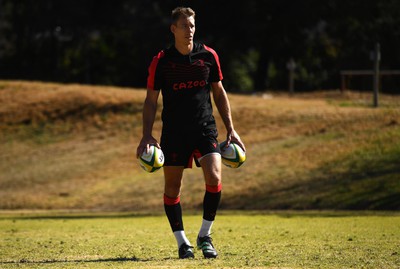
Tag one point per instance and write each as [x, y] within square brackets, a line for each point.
[343, 82]
[377, 58]
[291, 66]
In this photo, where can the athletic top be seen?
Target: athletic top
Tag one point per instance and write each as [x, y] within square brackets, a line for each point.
[184, 81]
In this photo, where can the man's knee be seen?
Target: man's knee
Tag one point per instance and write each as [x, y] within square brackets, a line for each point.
[213, 180]
[173, 181]
[212, 169]
[172, 189]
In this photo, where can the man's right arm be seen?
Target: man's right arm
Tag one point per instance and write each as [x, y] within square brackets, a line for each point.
[149, 115]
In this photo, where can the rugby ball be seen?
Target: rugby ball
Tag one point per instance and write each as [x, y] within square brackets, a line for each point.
[152, 160]
[233, 156]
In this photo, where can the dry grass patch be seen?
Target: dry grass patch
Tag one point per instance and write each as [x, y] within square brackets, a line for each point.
[73, 146]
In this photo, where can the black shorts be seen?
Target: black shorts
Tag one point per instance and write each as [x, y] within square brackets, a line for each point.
[181, 147]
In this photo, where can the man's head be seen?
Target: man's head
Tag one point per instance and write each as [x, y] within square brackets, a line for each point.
[183, 24]
[179, 12]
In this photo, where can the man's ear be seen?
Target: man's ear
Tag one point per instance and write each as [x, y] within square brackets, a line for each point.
[173, 28]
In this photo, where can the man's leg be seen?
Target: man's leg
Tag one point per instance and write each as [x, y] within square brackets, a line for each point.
[173, 210]
[211, 165]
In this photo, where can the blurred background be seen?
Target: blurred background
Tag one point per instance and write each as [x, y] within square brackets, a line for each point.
[72, 79]
[113, 42]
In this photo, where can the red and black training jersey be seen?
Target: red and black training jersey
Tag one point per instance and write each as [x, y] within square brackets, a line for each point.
[184, 81]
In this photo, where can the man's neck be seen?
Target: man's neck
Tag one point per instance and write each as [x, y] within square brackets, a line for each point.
[184, 49]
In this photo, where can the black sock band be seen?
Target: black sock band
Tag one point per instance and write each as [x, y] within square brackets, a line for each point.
[174, 214]
[210, 205]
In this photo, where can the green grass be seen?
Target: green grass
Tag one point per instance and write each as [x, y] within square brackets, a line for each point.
[271, 240]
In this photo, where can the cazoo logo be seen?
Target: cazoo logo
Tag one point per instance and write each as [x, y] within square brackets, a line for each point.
[189, 84]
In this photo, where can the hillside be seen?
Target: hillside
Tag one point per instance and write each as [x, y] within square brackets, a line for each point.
[73, 147]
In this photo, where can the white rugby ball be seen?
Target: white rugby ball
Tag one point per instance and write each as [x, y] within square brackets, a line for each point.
[152, 160]
[233, 156]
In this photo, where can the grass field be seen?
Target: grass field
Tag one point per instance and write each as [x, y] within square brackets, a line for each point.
[271, 240]
[73, 147]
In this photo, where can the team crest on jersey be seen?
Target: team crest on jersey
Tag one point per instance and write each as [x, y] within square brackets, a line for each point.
[199, 62]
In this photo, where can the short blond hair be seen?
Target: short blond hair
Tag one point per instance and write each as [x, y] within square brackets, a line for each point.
[181, 11]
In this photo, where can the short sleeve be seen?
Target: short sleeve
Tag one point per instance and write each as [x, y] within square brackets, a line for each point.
[215, 71]
[153, 79]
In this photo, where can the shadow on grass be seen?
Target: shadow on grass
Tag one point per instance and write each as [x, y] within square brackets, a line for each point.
[50, 214]
[353, 183]
[118, 259]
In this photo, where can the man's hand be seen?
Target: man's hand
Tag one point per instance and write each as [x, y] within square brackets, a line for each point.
[145, 143]
[233, 136]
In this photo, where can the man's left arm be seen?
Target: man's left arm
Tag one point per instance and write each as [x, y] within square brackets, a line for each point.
[222, 103]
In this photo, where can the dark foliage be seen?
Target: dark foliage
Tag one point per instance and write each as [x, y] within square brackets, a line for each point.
[112, 42]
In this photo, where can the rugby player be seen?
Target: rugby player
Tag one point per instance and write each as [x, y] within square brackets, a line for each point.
[186, 74]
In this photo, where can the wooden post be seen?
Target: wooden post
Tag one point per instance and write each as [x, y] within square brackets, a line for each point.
[291, 66]
[343, 83]
[377, 58]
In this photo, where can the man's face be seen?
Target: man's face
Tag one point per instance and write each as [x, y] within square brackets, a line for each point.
[184, 30]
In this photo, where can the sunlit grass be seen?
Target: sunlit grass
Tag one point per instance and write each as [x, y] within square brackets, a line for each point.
[275, 240]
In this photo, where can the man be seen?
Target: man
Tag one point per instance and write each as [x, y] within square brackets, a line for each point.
[185, 73]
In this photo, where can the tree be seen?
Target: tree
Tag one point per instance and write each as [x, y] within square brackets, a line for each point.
[103, 42]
